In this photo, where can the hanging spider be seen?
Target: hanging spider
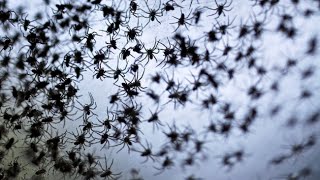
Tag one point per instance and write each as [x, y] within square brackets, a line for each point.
[111, 29]
[134, 70]
[221, 8]
[178, 95]
[182, 21]
[154, 96]
[153, 14]
[14, 169]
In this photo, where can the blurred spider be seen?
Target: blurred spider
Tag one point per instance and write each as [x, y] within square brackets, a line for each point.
[6, 43]
[100, 73]
[146, 152]
[7, 16]
[178, 95]
[154, 119]
[131, 34]
[223, 28]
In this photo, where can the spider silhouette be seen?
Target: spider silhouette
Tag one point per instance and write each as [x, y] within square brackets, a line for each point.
[221, 8]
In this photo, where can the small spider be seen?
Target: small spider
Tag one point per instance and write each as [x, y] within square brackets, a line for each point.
[107, 173]
[87, 108]
[221, 8]
[182, 21]
[153, 14]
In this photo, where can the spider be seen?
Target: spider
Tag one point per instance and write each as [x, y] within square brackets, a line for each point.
[168, 51]
[137, 48]
[183, 20]
[81, 139]
[14, 169]
[223, 28]
[112, 42]
[116, 73]
[107, 173]
[134, 70]
[146, 152]
[125, 53]
[135, 84]
[107, 123]
[166, 164]
[100, 73]
[87, 108]
[105, 139]
[197, 83]
[178, 95]
[6, 43]
[132, 33]
[151, 52]
[169, 6]
[154, 119]
[7, 16]
[26, 23]
[152, 13]
[133, 7]
[126, 141]
[221, 8]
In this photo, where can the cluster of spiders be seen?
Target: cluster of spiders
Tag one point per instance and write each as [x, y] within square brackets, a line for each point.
[45, 58]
